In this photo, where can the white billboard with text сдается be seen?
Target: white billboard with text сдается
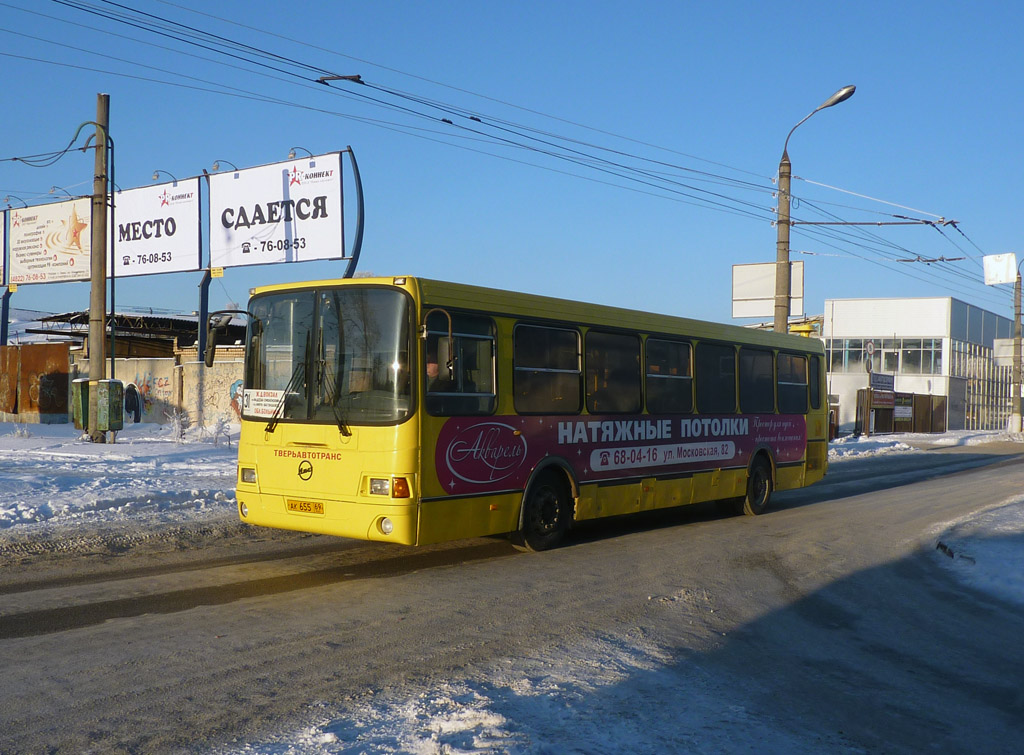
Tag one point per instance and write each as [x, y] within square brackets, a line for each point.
[283, 212]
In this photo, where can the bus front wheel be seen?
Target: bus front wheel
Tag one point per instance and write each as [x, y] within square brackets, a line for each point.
[546, 514]
[759, 488]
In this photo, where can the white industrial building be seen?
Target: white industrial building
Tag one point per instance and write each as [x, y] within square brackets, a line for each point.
[939, 349]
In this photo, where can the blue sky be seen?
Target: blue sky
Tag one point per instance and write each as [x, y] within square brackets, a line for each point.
[708, 90]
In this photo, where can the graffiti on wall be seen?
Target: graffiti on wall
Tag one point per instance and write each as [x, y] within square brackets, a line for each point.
[150, 394]
[235, 392]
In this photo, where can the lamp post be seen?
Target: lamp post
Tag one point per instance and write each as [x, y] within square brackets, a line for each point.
[1003, 268]
[782, 273]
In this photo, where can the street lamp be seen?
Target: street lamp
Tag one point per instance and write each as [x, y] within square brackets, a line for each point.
[59, 188]
[7, 200]
[782, 245]
[157, 172]
[216, 165]
[291, 152]
[1004, 268]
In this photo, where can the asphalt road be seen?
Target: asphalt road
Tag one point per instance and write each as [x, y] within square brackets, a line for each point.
[829, 615]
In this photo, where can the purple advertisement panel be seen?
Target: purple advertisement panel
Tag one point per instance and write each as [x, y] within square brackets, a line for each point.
[482, 454]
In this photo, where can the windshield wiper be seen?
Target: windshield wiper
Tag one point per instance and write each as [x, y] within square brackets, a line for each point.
[330, 382]
[297, 376]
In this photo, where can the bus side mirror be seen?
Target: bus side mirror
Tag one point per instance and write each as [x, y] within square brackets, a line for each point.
[218, 323]
[211, 349]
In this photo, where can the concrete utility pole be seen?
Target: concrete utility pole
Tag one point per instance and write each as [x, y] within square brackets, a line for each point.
[98, 261]
[782, 271]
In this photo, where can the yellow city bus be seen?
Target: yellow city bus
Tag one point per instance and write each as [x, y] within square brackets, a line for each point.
[416, 411]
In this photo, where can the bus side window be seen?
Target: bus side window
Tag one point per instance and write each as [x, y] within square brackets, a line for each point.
[546, 370]
[459, 372]
[715, 378]
[814, 382]
[792, 384]
[613, 373]
[757, 381]
[669, 377]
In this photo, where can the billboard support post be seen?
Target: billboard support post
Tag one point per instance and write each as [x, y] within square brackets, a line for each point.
[357, 242]
[5, 314]
[204, 310]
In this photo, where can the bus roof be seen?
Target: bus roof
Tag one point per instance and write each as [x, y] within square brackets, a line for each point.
[512, 303]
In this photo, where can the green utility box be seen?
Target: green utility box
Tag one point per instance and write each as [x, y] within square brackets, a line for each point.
[109, 402]
[80, 402]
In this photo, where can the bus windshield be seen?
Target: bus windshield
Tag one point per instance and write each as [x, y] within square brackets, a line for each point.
[338, 355]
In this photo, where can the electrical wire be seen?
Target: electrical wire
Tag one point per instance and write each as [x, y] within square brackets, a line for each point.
[493, 131]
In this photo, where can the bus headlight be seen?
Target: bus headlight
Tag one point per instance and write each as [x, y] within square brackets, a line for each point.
[248, 475]
[387, 526]
[243, 509]
[395, 487]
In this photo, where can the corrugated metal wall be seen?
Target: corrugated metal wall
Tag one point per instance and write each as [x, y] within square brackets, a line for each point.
[34, 379]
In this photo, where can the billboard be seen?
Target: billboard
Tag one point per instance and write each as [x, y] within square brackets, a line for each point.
[999, 268]
[753, 289]
[51, 242]
[283, 212]
[3, 248]
[157, 229]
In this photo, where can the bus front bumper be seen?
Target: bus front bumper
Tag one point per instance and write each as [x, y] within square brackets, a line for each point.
[391, 522]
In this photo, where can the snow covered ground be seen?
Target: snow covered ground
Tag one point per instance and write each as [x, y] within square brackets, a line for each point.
[53, 481]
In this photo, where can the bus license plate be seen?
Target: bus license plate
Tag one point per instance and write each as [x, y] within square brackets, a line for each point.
[305, 507]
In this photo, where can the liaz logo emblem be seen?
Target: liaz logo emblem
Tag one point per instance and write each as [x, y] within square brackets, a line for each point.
[305, 470]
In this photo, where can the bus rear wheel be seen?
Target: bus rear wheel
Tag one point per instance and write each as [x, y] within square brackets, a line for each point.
[546, 514]
[759, 488]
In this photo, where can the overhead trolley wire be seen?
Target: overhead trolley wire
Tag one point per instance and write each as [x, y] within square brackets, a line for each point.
[455, 88]
[494, 131]
[650, 178]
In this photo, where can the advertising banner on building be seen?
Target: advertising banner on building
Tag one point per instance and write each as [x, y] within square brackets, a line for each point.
[284, 212]
[51, 242]
[3, 248]
[157, 229]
